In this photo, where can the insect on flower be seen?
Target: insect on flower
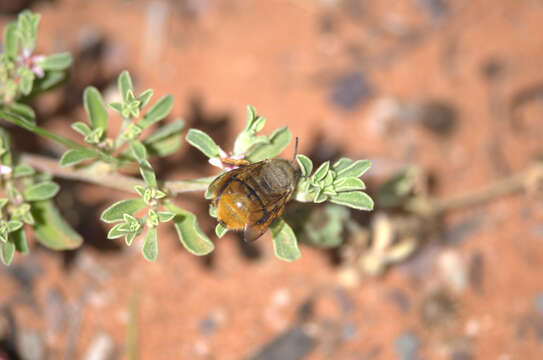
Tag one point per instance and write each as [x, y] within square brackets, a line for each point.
[251, 196]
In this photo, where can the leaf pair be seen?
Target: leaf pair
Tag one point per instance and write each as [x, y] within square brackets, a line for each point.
[248, 144]
[339, 183]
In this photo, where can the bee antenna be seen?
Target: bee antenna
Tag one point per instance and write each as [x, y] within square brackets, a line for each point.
[295, 151]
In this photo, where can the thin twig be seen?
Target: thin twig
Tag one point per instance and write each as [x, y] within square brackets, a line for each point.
[111, 180]
[521, 181]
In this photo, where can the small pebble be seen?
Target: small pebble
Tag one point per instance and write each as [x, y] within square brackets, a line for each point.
[350, 90]
[461, 355]
[539, 303]
[400, 299]
[407, 346]
[102, 347]
[435, 8]
[30, 345]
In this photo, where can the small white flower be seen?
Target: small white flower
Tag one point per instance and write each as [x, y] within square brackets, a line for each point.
[4, 170]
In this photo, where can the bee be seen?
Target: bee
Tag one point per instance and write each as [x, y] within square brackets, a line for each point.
[251, 196]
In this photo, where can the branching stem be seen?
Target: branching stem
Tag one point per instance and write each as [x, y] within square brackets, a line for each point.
[111, 180]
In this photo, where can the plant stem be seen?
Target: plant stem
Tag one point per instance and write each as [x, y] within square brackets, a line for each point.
[42, 132]
[111, 180]
[518, 182]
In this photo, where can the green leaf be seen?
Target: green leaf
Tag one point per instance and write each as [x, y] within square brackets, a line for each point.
[18, 238]
[306, 165]
[125, 85]
[166, 140]
[354, 199]
[202, 142]
[14, 225]
[278, 141]
[41, 191]
[138, 150]
[321, 172]
[81, 128]
[150, 245]
[75, 156]
[116, 232]
[116, 211]
[25, 112]
[27, 28]
[11, 44]
[165, 216]
[342, 164]
[130, 237]
[148, 174]
[51, 229]
[356, 169]
[285, 244]
[220, 230]
[189, 232]
[157, 112]
[26, 80]
[116, 106]
[348, 184]
[60, 61]
[145, 97]
[95, 108]
[22, 170]
[48, 81]
[320, 197]
[7, 251]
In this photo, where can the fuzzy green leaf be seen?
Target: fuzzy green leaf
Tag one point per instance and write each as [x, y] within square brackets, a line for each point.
[157, 112]
[285, 244]
[116, 232]
[48, 81]
[166, 140]
[220, 230]
[306, 165]
[51, 229]
[348, 184]
[189, 232]
[145, 97]
[26, 80]
[7, 251]
[75, 156]
[22, 170]
[11, 44]
[165, 216]
[116, 211]
[138, 151]
[41, 191]
[95, 108]
[60, 61]
[277, 142]
[150, 245]
[354, 199]
[355, 169]
[202, 142]
[14, 225]
[342, 164]
[24, 112]
[19, 240]
[147, 173]
[321, 172]
[81, 128]
[124, 82]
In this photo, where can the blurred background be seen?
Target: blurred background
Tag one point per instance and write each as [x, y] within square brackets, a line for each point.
[444, 97]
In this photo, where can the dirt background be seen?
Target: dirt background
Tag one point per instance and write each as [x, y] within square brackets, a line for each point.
[327, 69]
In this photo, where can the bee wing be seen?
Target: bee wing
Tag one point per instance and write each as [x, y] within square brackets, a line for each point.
[217, 183]
[259, 220]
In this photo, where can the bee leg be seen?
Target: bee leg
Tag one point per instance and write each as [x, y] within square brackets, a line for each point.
[251, 233]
